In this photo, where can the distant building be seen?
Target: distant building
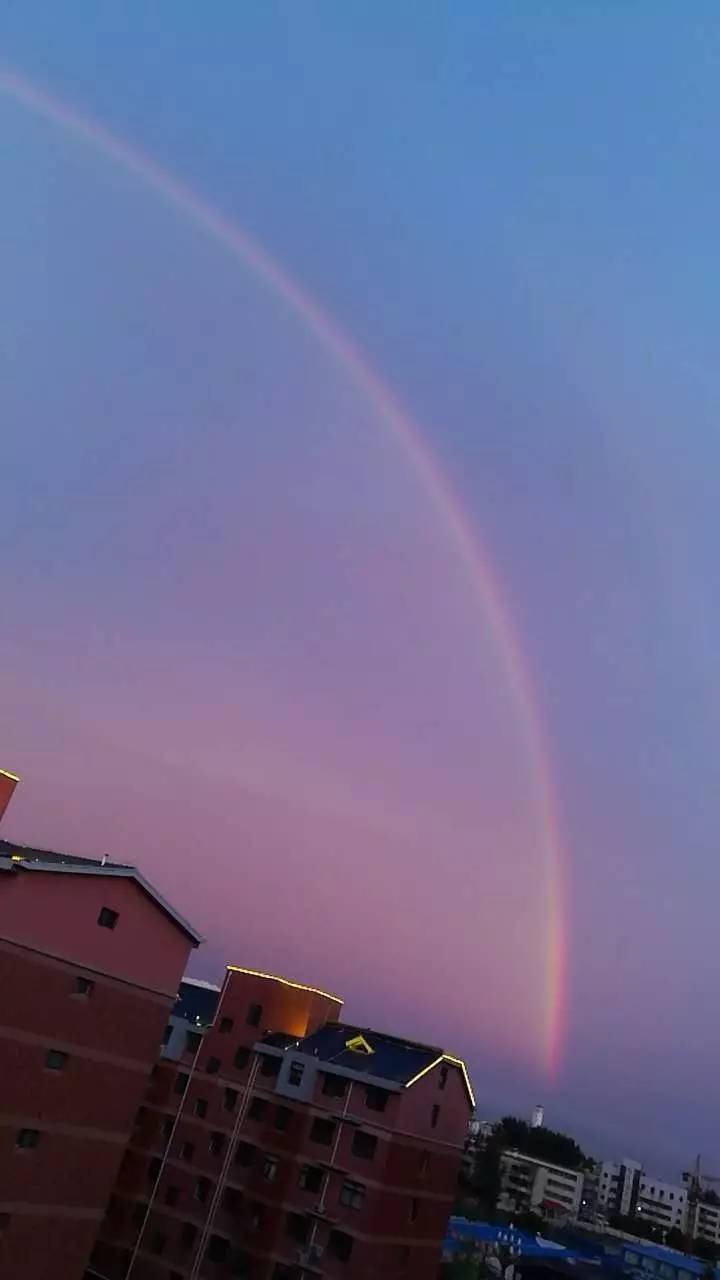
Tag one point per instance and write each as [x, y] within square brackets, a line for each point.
[90, 960]
[528, 1184]
[663, 1204]
[288, 1144]
[618, 1187]
[706, 1221]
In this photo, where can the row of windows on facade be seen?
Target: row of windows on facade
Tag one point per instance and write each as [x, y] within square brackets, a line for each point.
[219, 1248]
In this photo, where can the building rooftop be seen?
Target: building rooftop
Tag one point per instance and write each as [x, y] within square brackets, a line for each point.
[23, 858]
[372, 1052]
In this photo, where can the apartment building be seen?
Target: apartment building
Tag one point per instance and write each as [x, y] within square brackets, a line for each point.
[90, 960]
[663, 1204]
[618, 1187]
[706, 1221]
[528, 1184]
[288, 1143]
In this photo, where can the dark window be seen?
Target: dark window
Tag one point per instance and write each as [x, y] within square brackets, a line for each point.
[375, 1098]
[424, 1164]
[443, 1077]
[217, 1143]
[269, 1168]
[352, 1194]
[153, 1169]
[254, 1015]
[270, 1067]
[242, 1057]
[140, 1115]
[137, 1216]
[193, 1040]
[310, 1179]
[172, 1195]
[187, 1151]
[107, 918]
[257, 1109]
[334, 1086]
[167, 1128]
[157, 1242]
[256, 1216]
[297, 1226]
[181, 1080]
[55, 1060]
[434, 1115]
[340, 1245]
[322, 1131]
[213, 1066]
[414, 1209]
[283, 1116]
[232, 1199]
[240, 1264]
[364, 1144]
[284, 1271]
[230, 1097]
[296, 1072]
[226, 1025]
[84, 986]
[27, 1139]
[245, 1154]
[167, 1033]
[202, 1189]
[4, 1222]
[218, 1249]
[187, 1235]
[200, 1107]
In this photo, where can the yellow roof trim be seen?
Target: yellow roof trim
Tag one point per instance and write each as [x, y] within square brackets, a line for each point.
[359, 1044]
[286, 982]
[456, 1062]
[5, 773]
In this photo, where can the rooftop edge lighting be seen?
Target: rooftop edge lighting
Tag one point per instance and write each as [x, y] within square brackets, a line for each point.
[5, 773]
[286, 982]
[456, 1062]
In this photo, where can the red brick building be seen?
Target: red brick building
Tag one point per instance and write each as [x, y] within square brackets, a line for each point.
[90, 961]
[285, 1143]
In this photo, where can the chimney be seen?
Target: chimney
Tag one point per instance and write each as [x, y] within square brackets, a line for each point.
[8, 783]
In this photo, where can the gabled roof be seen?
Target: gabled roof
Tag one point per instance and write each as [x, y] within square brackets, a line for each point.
[23, 858]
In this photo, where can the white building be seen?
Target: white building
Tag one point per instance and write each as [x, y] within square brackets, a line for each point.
[664, 1204]
[706, 1222]
[547, 1189]
[618, 1186]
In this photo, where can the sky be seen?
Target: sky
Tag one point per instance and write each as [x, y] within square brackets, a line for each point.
[395, 670]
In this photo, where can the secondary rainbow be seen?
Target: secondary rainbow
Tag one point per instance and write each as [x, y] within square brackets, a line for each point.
[427, 468]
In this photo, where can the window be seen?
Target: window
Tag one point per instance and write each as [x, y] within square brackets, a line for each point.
[414, 1209]
[256, 1216]
[27, 1139]
[230, 1097]
[140, 1115]
[352, 1194]
[424, 1164]
[364, 1144]
[232, 1200]
[217, 1143]
[187, 1151]
[257, 1109]
[181, 1080]
[4, 1222]
[322, 1131]
[434, 1116]
[375, 1098]
[107, 918]
[340, 1245]
[283, 1116]
[218, 1249]
[269, 1169]
[172, 1195]
[443, 1077]
[200, 1107]
[226, 1026]
[297, 1227]
[167, 1128]
[55, 1060]
[254, 1015]
[84, 986]
[187, 1235]
[193, 1040]
[334, 1086]
[157, 1242]
[242, 1057]
[213, 1066]
[202, 1189]
[245, 1154]
[310, 1179]
[270, 1067]
[240, 1264]
[137, 1216]
[153, 1169]
[167, 1033]
[296, 1072]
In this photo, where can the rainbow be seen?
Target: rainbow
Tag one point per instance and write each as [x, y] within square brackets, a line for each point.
[396, 420]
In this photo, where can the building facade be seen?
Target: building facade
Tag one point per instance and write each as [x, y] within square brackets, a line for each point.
[663, 1204]
[90, 960]
[530, 1185]
[618, 1187]
[285, 1143]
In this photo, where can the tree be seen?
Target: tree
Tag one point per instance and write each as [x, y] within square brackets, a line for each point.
[675, 1238]
[542, 1144]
